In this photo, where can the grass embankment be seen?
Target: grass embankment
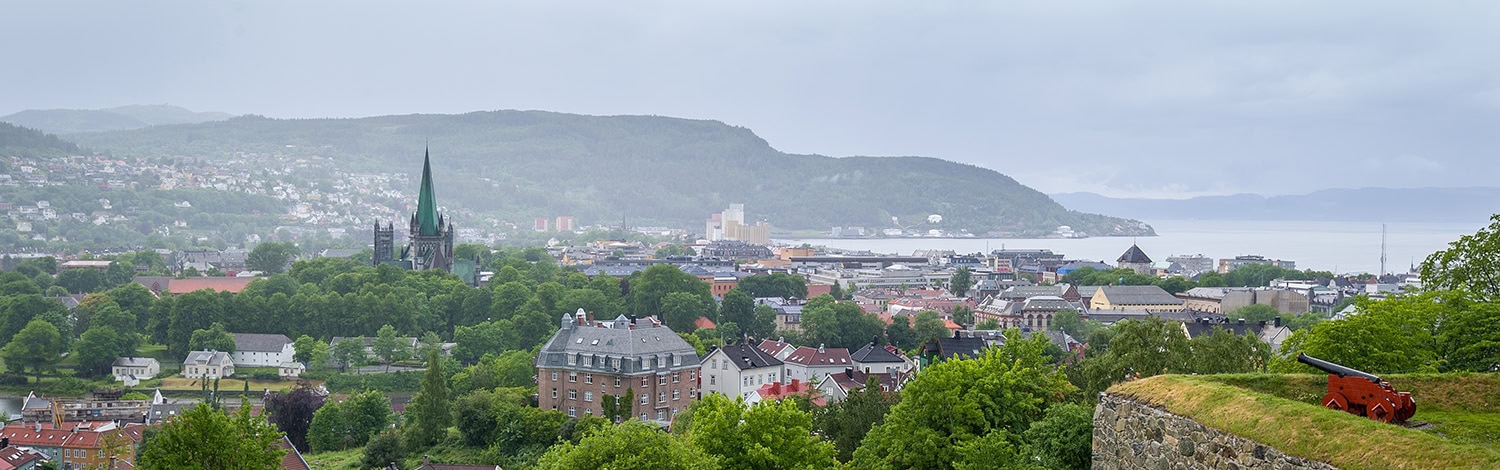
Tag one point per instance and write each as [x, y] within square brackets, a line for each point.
[1307, 430]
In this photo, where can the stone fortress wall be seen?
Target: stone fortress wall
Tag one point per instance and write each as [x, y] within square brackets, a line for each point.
[1129, 435]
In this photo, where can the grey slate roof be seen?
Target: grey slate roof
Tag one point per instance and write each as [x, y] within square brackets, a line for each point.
[134, 362]
[1033, 291]
[949, 348]
[745, 356]
[874, 354]
[209, 358]
[1134, 255]
[1049, 302]
[616, 347]
[1206, 292]
[1087, 291]
[1139, 295]
[260, 342]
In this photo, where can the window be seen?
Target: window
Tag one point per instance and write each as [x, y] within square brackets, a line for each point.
[588, 411]
[693, 375]
[645, 399]
[676, 377]
[676, 360]
[554, 376]
[692, 393]
[572, 394]
[588, 378]
[643, 381]
[676, 395]
[661, 397]
[661, 415]
[713, 380]
[572, 376]
[643, 416]
[572, 412]
[588, 396]
[661, 380]
[572, 360]
[617, 382]
[554, 394]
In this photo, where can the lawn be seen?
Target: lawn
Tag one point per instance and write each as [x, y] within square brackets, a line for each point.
[1461, 436]
[229, 385]
[335, 460]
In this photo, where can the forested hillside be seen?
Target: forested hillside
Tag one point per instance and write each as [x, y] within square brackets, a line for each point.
[17, 141]
[648, 169]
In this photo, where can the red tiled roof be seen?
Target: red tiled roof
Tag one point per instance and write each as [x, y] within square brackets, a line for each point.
[777, 391]
[826, 357]
[703, 323]
[815, 290]
[293, 459]
[771, 346]
[218, 284]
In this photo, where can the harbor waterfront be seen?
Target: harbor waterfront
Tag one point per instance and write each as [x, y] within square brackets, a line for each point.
[1343, 247]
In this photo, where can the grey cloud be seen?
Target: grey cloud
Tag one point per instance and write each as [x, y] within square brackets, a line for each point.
[1149, 97]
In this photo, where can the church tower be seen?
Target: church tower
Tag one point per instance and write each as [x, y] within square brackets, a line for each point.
[429, 241]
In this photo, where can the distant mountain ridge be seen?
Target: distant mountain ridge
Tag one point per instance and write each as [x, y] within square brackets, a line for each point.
[68, 121]
[651, 170]
[1352, 205]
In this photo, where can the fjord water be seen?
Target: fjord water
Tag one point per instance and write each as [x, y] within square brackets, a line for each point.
[1343, 247]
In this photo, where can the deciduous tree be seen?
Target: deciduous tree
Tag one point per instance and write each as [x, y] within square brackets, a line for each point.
[204, 437]
[633, 445]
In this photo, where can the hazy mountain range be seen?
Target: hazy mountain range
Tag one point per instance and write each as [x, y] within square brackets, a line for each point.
[1355, 205]
[652, 170]
[67, 121]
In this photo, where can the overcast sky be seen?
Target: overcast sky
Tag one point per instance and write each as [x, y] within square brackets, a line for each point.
[1161, 99]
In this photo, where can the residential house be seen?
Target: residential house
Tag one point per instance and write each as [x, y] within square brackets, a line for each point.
[779, 348]
[942, 349]
[261, 350]
[879, 358]
[132, 370]
[808, 364]
[737, 370]
[20, 458]
[1134, 297]
[584, 361]
[836, 387]
[290, 370]
[207, 365]
[76, 445]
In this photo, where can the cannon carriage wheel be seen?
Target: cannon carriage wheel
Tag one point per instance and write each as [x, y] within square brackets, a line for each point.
[1381, 409]
[1336, 400]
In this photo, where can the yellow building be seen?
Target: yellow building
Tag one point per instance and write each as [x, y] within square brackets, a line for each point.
[1134, 298]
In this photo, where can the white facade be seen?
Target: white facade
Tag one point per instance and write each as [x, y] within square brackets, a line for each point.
[725, 377]
[263, 358]
[207, 365]
[132, 370]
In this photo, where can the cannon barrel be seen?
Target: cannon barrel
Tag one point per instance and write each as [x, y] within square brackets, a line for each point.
[1336, 369]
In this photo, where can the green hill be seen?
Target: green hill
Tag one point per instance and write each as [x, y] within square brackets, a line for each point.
[17, 141]
[652, 170]
[67, 121]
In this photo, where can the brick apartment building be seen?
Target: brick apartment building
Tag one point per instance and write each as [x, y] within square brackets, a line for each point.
[585, 361]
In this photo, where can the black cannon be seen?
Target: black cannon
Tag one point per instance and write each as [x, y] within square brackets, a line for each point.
[1362, 393]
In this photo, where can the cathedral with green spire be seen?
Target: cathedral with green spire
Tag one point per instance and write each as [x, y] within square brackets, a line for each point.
[429, 243]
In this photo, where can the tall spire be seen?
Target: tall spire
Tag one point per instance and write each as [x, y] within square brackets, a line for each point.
[427, 216]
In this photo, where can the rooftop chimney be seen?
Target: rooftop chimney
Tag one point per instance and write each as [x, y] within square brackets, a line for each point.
[1278, 321]
[820, 348]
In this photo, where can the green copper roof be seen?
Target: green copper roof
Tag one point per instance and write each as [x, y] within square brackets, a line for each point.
[427, 216]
